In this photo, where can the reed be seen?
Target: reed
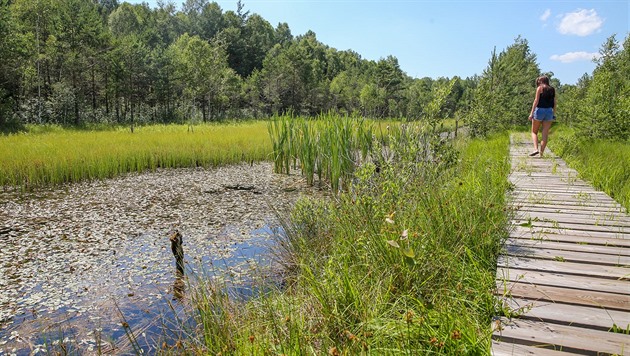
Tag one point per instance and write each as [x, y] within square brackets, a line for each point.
[54, 155]
[329, 146]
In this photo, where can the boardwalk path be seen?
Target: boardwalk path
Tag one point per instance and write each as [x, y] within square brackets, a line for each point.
[564, 274]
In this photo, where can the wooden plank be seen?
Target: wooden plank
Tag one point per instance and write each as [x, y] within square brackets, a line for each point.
[600, 210]
[566, 314]
[559, 191]
[574, 226]
[576, 233]
[562, 205]
[600, 241]
[570, 282]
[567, 256]
[509, 349]
[585, 213]
[562, 200]
[604, 220]
[580, 196]
[581, 269]
[567, 246]
[592, 298]
[525, 188]
[526, 184]
[572, 339]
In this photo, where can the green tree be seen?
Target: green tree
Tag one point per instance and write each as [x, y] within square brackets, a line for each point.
[506, 89]
[203, 74]
[606, 105]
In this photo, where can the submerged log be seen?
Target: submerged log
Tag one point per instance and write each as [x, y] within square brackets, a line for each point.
[240, 187]
[178, 250]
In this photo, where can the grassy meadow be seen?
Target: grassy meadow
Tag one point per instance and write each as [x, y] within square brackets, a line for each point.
[55, 155]
[603, 163]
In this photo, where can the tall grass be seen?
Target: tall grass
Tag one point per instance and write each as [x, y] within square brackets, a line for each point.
[55, 155]
[329, 146]
[401, 263]
[604, 163]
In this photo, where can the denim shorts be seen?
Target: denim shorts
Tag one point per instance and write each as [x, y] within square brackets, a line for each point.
[543, 114]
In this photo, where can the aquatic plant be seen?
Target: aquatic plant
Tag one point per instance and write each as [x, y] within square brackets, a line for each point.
[329, 146]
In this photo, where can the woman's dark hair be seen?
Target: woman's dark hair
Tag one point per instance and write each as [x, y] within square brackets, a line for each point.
[544, 81]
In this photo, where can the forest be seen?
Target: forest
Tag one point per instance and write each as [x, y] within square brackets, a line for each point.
[76, 62]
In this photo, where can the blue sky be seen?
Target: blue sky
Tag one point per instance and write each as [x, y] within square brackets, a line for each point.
[433, 38]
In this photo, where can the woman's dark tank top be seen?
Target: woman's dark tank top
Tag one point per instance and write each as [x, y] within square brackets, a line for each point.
[546, 98]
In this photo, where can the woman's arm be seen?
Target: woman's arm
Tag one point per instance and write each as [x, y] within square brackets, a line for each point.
[531, 114]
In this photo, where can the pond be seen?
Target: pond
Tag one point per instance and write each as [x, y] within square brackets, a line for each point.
[81, 261]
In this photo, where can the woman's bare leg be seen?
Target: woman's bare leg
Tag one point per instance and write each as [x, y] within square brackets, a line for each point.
[546, 125]
[535, 127]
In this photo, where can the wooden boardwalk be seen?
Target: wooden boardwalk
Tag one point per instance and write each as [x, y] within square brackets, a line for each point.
[564, 275]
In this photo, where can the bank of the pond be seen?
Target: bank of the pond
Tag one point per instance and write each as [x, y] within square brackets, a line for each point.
[54, 155]
[404, 263]
[80, 259]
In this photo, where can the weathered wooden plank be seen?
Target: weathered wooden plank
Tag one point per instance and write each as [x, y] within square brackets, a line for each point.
[567, 246]
[543, 185]
[572, 339]
[509, 349]
[600, 299]
[555, 189]
[555, 199]
[599, 210]
[582, 195]
[573, 226]
[605, 220]
[567, 256]
[600, 241]
[570, 282]
[582, 269]
[537, 231]
[566, 314]
[581, 213]
[561, 205]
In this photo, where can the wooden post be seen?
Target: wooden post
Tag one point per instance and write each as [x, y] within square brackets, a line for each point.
[178, 250]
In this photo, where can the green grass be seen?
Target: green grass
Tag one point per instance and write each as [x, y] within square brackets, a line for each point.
[605, 164]
[52, 155]
[404, 262]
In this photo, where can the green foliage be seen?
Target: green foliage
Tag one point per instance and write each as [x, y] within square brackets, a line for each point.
[505, 92]
[604, 163]
[600, 106]
[202, 71]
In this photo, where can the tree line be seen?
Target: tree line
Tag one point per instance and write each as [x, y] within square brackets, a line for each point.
[78, 61]
[101, 61]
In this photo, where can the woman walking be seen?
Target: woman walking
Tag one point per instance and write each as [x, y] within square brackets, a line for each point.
[543, 113]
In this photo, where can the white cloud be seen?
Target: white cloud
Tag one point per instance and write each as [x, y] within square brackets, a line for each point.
[571, 57]
[545, 15]
[580, 22]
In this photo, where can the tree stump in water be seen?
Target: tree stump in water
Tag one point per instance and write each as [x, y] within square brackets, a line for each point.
[178, 250]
